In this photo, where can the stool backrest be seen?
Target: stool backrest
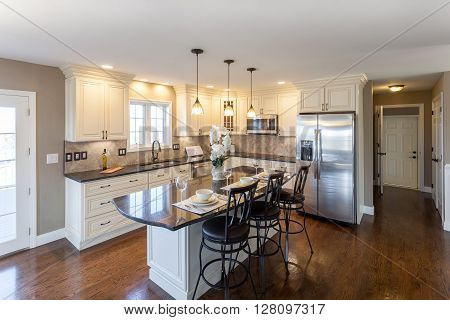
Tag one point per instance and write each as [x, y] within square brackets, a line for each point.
[300, 179]
[239, 205]
[273, 189]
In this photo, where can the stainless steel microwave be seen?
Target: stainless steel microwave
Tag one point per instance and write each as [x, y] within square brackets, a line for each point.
[263, 124]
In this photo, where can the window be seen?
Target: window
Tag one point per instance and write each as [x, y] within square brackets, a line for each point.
[228, 121]
[149, 121]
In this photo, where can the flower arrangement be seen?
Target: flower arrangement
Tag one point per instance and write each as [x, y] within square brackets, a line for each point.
[220, 141]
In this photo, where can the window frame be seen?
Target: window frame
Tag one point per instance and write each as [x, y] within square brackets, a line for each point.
[131, 148]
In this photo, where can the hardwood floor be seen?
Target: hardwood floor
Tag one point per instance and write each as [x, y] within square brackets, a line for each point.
[400, 253]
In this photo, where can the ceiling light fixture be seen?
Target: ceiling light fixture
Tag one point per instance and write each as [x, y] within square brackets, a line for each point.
[228, 108]
[281, 82]
[396, 87]
[251, 111]
[197, 108]
[107, 66]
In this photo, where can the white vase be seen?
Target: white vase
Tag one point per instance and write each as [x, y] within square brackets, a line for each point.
[218, 173]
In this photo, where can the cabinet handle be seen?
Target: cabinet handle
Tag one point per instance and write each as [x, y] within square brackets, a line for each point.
[326, 106]
[103, 134]
[106, 186]
[181, 170]
[106, 135]
[134, 180]
[323, 107]
[104, 224]
[160, 175]
[103, 203]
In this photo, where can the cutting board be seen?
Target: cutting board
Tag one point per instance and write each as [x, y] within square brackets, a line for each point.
[112, 170]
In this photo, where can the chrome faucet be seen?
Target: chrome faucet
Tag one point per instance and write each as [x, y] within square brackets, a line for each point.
[155, 155]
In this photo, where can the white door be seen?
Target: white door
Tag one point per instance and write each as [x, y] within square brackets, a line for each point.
[437, 170]
[91, 110]
[340, 98]
[15, 173]
[400, 145]
[380, 151]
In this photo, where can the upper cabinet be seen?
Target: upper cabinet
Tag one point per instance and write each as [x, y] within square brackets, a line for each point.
[331, 96]
[96, 104]
[269, 104]
[287, 113]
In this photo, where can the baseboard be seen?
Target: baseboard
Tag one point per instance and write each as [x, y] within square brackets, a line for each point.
[447, 226]
[50, 237]
[427, 189]
[370, 210]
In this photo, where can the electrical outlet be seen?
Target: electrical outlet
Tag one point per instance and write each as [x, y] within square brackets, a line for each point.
[176, 146]
[83, 155]
[69, 156]
[122, 151]
[76, 156]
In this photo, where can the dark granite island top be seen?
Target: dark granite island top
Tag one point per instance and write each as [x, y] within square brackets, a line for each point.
[154, 206]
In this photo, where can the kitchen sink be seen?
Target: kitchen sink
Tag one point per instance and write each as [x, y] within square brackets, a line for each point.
[160, 164]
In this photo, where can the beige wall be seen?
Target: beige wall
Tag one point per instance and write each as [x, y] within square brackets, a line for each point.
[48, 83]
[410, 98]
[368, 143]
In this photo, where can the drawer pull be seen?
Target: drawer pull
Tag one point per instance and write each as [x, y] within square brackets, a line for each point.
[160, 175]
[104, 224]
[103, 203]
[135, 180]
[106, 186]
[181, 170]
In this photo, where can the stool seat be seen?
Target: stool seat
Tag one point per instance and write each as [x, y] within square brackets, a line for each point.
[214, 230]
[260, 212]
[287, 195]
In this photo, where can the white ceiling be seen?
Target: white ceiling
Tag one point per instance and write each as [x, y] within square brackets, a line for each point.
[414, 83]
[286, 40]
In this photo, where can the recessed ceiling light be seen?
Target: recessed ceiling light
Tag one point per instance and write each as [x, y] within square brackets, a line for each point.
[396, 87]
[210, 87]
[107, 66]
[281, 82]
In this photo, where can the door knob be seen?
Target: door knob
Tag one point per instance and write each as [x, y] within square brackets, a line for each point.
[413, 157]
[414, 152]
[381, 153]
[434, 159]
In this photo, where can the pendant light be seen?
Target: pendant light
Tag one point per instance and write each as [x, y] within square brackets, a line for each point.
[228, 108]
[251, 111]
[197, 108]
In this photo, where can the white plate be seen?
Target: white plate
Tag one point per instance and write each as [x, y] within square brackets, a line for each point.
[198, 202]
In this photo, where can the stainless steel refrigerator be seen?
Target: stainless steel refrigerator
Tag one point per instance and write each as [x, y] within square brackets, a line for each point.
[325, 141]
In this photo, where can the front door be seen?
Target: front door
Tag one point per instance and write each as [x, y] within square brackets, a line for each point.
[400, 145]
[437, 170]
[15, 172]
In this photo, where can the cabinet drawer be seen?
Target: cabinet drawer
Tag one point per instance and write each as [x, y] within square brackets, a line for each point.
[159, 175]
[104, 223]
[182, 170]
[102, 203]
[114, 184]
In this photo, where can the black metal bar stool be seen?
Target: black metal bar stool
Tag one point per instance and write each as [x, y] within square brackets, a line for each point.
[265, 215]
[227, 235]
[293, 199]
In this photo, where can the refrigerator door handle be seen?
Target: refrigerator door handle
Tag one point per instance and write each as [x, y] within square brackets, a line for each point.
[319, 152]
[316, 134]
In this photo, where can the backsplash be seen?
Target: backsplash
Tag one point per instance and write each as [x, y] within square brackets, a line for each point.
[262, 144]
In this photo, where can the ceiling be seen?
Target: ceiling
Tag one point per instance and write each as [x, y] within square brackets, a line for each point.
[287, 40]
[411, 83]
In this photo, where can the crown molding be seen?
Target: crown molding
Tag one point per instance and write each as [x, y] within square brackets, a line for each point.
[360, 79]
[82, 71]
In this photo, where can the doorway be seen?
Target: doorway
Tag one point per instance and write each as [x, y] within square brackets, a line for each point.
[400, 148]
[437, 160]
[17, 170]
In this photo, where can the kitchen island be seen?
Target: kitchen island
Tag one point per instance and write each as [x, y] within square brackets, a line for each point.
[174, 235]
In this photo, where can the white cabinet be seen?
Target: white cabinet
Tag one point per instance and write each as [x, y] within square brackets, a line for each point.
[269, 104]
[96, 104]
[188, 124]
[199, 124]
[329, 98]
[241, 112]
[287, 114]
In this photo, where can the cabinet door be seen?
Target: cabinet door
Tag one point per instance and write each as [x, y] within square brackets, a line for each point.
[192, 120]
[228, 122]
[205, 120]
[256, 102]
[311, 100]
[340, 98]
[242, 108]
[116, 111]
[90, 106]
[269, 104]
[287, 114]
[215, 112]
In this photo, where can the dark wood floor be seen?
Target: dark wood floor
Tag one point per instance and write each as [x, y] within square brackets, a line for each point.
[400, 253]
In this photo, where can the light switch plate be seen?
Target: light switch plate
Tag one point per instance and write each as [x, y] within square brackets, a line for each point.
[122, 151]
[176, 146]
[83, 155]
[52, 158]
[77, 156]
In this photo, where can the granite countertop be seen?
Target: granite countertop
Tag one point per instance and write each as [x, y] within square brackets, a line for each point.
[154, 206]
[93, 175]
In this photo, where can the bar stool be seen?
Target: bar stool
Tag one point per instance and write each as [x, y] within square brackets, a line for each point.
[265, 215]
[293, 199]
[227, 235]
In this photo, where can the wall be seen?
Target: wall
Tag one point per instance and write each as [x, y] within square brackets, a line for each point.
[368, 143]
[48, 83]
[410, 98]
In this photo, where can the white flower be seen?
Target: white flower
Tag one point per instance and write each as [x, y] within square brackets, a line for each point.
[227, 141]
[213, 135]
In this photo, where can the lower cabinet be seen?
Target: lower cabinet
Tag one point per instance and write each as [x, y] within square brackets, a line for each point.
[91, 218]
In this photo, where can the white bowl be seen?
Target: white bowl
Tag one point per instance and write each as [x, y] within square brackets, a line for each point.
[246, 180]
[203, 194]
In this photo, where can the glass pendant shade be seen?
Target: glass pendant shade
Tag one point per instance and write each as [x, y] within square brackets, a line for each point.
[228, 112]
[197, 108]
[251, 112]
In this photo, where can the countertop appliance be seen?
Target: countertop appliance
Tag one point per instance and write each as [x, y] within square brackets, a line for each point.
[198, 169]
[263, 124]
[326, 141]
